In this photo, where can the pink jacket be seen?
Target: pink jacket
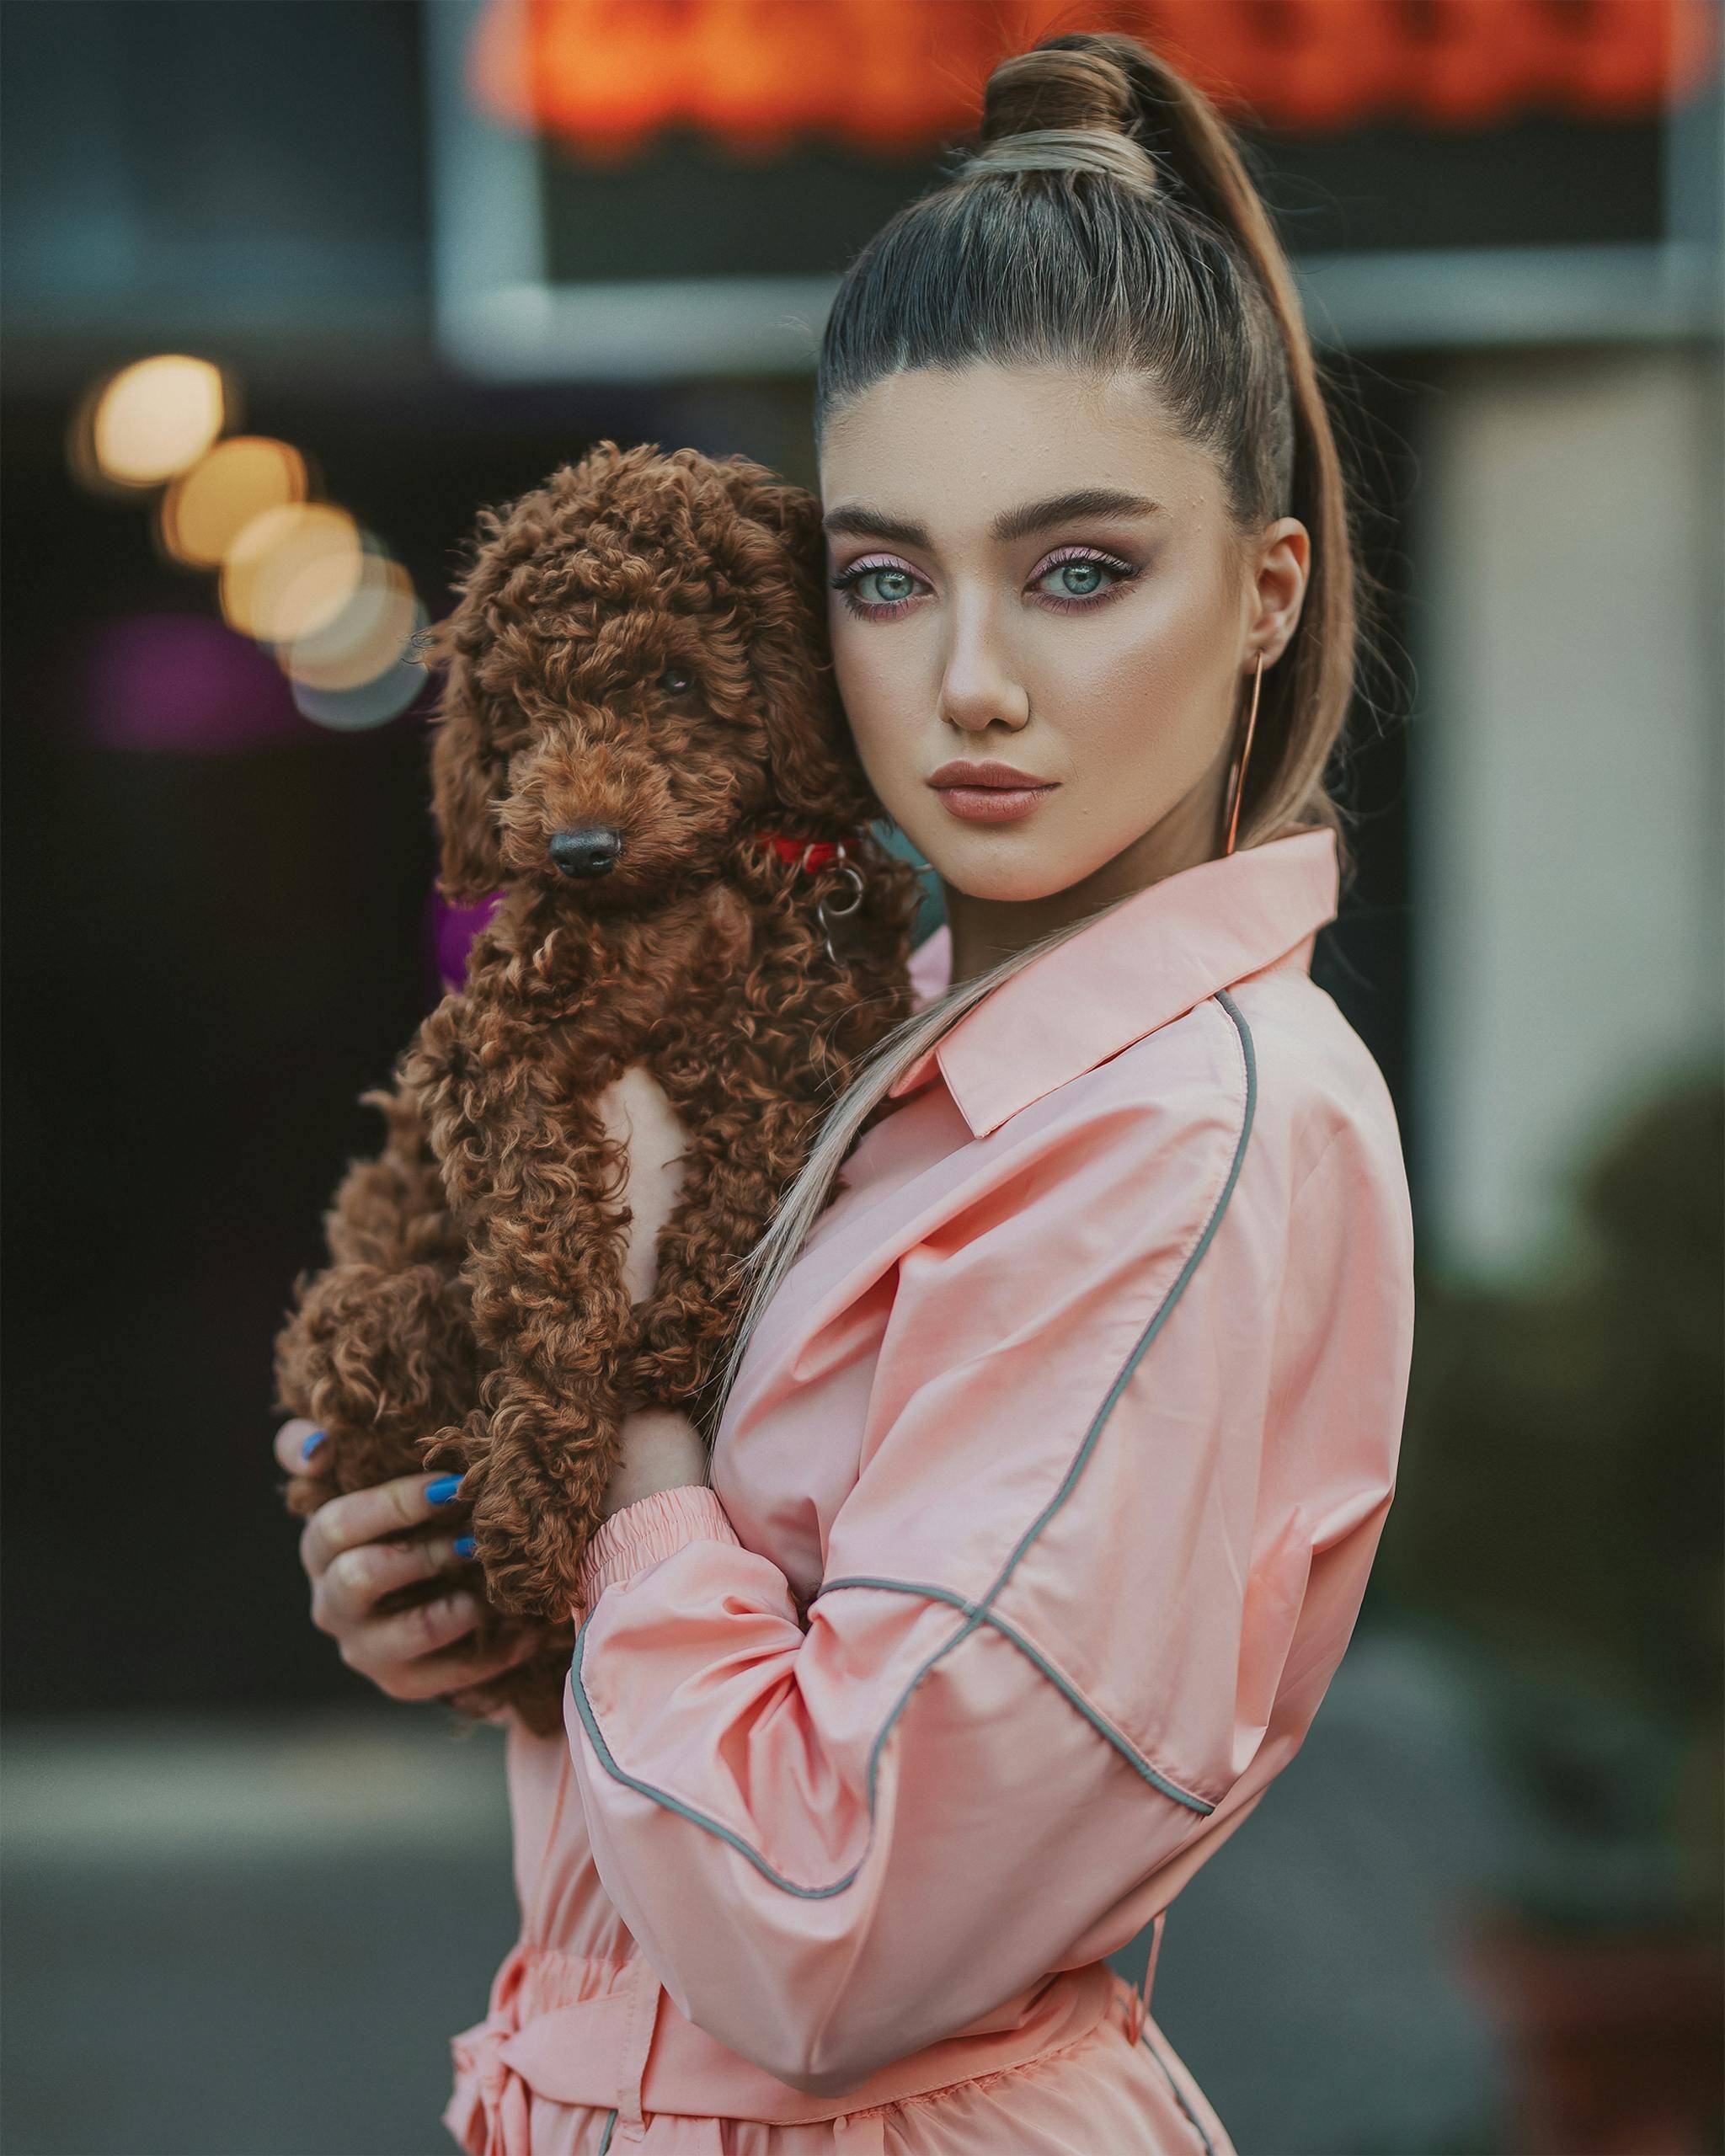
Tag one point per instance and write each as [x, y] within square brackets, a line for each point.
[1040, 1516]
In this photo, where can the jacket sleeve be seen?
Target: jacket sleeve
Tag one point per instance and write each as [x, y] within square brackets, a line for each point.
[1059, 1604]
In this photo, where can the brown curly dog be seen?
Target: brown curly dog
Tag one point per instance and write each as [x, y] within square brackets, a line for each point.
[638, 732]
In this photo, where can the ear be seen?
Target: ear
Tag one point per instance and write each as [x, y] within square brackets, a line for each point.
[782, 568]
[463, 792]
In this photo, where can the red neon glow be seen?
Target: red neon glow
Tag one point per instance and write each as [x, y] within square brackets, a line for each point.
[898, 76]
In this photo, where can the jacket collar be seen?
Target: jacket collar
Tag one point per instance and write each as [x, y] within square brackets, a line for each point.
[1155, 957]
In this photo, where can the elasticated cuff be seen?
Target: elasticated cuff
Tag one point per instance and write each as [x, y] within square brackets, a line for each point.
[641, 1533]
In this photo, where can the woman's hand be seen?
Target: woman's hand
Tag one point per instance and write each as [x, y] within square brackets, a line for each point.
[404, 1652]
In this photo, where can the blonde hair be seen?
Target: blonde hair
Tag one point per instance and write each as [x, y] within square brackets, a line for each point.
[1107, 220]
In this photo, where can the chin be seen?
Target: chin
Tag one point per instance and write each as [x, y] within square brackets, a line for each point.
[1004, 864]
[1001, 881]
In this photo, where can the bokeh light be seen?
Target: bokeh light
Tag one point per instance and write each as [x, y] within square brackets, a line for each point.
[181, 685]
[290, 571]
[207, 507]
[367, 637]
[370, 703]
[157, 417]
[450, 930]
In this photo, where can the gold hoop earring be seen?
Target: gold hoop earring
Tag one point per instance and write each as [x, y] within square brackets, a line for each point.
[1238, 782]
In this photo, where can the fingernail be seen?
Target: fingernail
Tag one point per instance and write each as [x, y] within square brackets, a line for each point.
[311, 1444]
[465, 1545]
[443, 1489]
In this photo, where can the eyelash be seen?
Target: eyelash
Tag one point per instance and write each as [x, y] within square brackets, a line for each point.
[880, 610]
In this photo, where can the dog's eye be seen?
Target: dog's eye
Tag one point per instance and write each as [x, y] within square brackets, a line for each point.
[675, 682]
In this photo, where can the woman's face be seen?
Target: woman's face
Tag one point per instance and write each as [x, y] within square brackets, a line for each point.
[1032, 569]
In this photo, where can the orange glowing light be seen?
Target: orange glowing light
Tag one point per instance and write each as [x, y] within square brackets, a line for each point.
[290, 571]
[896, 76]
[205, 509]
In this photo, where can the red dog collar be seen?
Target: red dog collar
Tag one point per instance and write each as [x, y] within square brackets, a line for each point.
[806, 853]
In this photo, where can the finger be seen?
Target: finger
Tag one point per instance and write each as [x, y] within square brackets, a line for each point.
[290, 1446]
[363, 1515]
[451, 1672]
[383, 1648]
[355, 1578]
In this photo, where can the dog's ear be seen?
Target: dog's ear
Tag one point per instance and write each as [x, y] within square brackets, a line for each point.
[464, 779]
[791, 513]
[816, 772]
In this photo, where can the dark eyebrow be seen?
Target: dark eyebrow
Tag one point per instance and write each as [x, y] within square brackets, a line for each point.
[858, 522]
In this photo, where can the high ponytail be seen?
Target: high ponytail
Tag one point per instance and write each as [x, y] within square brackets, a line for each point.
[1106, 221]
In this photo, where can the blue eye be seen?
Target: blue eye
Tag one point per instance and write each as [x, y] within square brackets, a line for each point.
[900, 578]
[1085, 579]
[903, 582]
[1089, 573]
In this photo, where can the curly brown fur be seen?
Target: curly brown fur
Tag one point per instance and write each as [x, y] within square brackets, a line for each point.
[379, 1351]
[697, 954]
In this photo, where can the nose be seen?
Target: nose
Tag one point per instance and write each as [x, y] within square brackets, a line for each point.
[591, 849]
[978, 685]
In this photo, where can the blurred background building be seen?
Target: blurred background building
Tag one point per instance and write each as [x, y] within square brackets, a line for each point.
[290, 289]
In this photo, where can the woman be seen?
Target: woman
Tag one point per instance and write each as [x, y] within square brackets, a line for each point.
[1059, 1446]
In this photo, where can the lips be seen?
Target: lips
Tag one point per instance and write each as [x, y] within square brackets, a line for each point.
[959, 772]
[990, 793]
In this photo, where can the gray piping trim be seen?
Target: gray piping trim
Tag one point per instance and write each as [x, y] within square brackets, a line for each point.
[979, 1612]
[611, 2128]
[1210, 2147]
[1121, 1743]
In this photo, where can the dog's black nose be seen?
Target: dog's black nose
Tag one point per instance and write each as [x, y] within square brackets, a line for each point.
[590, 850]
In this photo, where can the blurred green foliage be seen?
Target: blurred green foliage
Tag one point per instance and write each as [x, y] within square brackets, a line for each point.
[1559, 1512]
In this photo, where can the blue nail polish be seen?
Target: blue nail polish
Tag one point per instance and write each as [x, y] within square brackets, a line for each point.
[443, 1489]
[465, 1545]
[311, 1444]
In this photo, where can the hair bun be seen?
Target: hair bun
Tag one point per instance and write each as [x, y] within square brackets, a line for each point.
[1067, 105]
[1051, 87]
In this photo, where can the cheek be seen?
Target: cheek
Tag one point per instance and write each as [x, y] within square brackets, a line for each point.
[874, 689]
[851, 656]
[1141, 690]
